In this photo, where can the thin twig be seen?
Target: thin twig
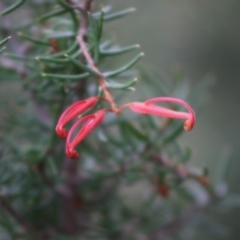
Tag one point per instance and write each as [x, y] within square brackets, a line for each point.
[85, 8]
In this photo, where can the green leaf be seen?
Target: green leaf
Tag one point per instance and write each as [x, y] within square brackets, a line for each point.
[81, 65]
[65, 5]
[114, 85]
[119, 14]
[18, 57]
[69, 51]
[95, 37]
[70, 9]
[51, 14]
[105, 9]
[1, 50]
[62, 76]
[52, 60]
[62, 34]
[24, 36]
[106, 44]
[57, 60]
[12, 7]
[119, 51]
[93, 27]
[134, 131]
[100, 25]
[4, 41]
[173, 132]
[125, 67]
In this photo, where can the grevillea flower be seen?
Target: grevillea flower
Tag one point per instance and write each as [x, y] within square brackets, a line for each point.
[73, 111]
[91, 122]
[148, 107]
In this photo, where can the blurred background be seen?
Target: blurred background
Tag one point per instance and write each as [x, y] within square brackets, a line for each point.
[202, 38]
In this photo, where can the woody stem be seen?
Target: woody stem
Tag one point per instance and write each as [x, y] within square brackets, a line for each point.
[81, 40]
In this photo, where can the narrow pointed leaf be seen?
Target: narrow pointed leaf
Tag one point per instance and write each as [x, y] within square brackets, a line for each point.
[100, 25]
[173, 133]
[65, 5]
[24, 36]
[12, 7]
[124, 68]
[93, 26]
[105, 9]
[57, 60]
[135, 132]
[62, 76]
[105, 44]
[81, 65]
[119, 14]
[70, 8]
[18, 57]
[1, 50]
[95, 34]
[4, 41]
[115, 85]
[69, 51]
[62, 34]
[119, 51]
[53, 13]
[53, 60]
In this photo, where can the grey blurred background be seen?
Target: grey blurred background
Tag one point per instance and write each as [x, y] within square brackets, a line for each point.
[201, 37]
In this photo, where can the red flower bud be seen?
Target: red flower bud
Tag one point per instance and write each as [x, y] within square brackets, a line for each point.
[92, 121]
[148, 108]
[73, 111]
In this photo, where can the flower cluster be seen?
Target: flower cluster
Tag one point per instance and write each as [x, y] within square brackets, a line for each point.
[91, 121]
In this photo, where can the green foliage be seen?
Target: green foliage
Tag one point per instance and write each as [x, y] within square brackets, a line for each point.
[98, 196]
[12, 7]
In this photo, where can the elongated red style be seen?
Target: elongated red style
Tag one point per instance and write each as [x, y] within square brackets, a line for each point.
[73, 111]
[91, 122]
[148, 107]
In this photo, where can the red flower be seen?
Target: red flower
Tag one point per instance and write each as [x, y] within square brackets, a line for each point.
[73, 111]
[92, 121]
[148, 108]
